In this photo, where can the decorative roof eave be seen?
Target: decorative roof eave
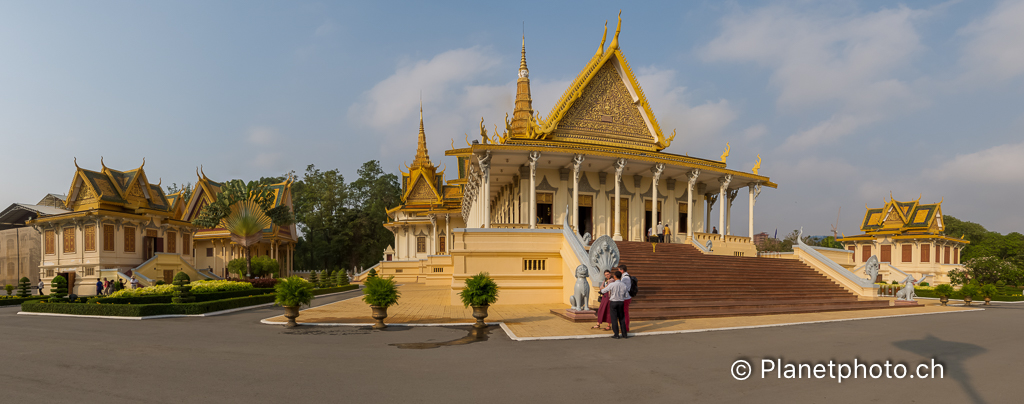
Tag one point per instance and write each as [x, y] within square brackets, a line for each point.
[931, 236]
[636, 155]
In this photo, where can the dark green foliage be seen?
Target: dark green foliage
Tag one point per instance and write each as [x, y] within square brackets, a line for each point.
[160, 282]
[19, 300]
[341, 223]
[235, 191]
[24, 287]
[324, 291]
[58, 288]
[969, 290]
[341, 278]
[372, 274]
[314, 279]
[895, 283]
[381, 292]
[182, 289]
[943, 290]
[925, 284]
[480, 290]
[9, 289]
[831, 242]
[142, 310]
[989, 291]
[261, 266]
[1001, 283]
[293, 291]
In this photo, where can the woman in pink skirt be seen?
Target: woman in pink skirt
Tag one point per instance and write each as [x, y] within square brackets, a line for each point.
[603, 316]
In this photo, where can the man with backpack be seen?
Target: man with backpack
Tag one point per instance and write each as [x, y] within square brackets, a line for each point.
[631, 285]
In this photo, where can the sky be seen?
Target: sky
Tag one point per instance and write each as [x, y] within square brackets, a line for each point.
[845, 101]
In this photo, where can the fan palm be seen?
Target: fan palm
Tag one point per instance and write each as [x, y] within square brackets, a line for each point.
[244, 210]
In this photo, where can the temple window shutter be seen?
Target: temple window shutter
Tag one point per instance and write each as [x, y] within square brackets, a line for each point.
[945, 256]
[866, 252]
[886, 253]
[908, 253]
[926, 252]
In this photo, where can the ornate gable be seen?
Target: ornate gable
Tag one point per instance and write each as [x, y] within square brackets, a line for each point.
[421, 191]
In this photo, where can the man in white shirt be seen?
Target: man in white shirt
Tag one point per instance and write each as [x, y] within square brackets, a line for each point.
[661, 232]
[618, 293]
[629, 285]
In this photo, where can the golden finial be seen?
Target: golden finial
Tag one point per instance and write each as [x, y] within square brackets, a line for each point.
[615, 40]
[159, 182]
[757, 166]
[600, 49]
[197, 173]
[963, 235]
[671, 138]
[522, 60]
[143, 162]
[726, 154]
[453, 143]
[203, 172]
[76, 164]
[101, 162]
[467, 140]
[483, 132]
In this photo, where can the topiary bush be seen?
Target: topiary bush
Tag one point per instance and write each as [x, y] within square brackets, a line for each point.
[160, 282]
[182, 289]
[58, 289]
[9, 289]
[25, 287]
[373, 273]
[480, 290]
[342, 278]
[314, 279]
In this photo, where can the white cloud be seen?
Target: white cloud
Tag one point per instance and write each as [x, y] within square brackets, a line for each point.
[1001, 165]
[821, 61]
[695, 125]
[995, 50]
[755, 132]
[262, 136]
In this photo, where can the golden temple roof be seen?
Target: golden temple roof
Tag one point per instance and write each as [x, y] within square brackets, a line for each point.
[898, 217]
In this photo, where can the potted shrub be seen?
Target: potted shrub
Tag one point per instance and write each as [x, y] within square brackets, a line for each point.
[944, 291]
[988, 291]
[182, 289]
[291, 293]
[380, 293]
[9, 289]
[968, 291]
[480, 292]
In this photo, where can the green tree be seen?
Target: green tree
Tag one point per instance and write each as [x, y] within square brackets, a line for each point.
[373, 194]
[185, 189]
[322, 213]
[244, 210]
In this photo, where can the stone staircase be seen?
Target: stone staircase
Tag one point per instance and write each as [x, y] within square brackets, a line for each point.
[678, 281]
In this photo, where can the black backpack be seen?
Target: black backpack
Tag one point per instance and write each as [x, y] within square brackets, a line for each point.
[632, 286]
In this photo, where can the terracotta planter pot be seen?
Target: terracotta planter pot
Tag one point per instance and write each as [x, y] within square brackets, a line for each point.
[988, 301]
[480, 313]
[379, 314]
[967, 301]
[943, 300]
[291, 313]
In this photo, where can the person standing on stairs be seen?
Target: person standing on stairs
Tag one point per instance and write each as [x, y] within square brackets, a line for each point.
[661, 232]
[666, 235]
[628, 281]
[618, 293]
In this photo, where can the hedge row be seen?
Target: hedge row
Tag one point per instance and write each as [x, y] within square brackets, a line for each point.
[142, 310]
[200, 297]
[14, 301]
[324, 291]
[958, 296]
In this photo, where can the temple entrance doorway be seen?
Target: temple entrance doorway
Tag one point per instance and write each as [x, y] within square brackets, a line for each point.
[585, 213]
[648, 223]
[623, 218]
[151, 246]
[683, 215]
[545, 201]
[70, 276]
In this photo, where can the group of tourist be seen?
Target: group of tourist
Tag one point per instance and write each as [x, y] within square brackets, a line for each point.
[659, 234]
[616, 292]
[106, 286]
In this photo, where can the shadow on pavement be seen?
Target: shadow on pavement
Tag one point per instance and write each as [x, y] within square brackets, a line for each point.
[951, 355]
[473, 335]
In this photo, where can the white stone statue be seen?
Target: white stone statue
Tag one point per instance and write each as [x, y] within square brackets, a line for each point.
[907, 293]
[604, 254]
[587, 239]
[580, 299]
[871, 268]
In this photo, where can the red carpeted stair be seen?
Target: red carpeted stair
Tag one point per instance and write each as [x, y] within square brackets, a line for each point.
[678, 281]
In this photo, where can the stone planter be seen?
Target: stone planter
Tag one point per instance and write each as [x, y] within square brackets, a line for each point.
[943, 300]
[480, 313]
[379, 314]
[291, 313]
[988, 301]
[967, 301]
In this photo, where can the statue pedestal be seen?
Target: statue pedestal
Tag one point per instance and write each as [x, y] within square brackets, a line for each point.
[906, 303]
[584, 316]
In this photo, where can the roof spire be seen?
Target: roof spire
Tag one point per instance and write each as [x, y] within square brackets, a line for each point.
[422, 158]
[600, 48]
[523, 112]
[615, 40]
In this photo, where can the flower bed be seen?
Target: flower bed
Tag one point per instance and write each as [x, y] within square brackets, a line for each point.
[142, 310]
[200, 297]
[197, 287]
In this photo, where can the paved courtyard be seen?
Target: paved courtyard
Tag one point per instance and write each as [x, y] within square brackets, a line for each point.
[236, 359]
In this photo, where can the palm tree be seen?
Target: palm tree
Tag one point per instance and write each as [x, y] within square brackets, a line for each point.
[244, 210]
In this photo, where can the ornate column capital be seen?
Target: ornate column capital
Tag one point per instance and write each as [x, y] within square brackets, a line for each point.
[533, 157]
[577, 161]
[657, 169]
[693, 177]
[754, 188]
[725, 180]
[619, 165]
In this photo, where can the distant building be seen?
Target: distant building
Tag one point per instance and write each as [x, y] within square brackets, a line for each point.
[908, 236]
[20, 244]
[760, 238]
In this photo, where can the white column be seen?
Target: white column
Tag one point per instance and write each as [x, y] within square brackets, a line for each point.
[689, 202]
[577, 161]
[533, 188]
[753, 190]
[619, 165]
[485, 168]
[728, 212]
[724, 181]
[433, 233]
[447, 235]
[397, 250]
[656, 170]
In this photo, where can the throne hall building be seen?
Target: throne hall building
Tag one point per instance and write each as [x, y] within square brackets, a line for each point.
[595, 164]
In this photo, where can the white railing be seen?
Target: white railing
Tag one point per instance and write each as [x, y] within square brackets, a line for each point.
[575, 241]
[831, 265]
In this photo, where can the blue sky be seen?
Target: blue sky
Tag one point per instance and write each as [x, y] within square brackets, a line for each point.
[845, 101]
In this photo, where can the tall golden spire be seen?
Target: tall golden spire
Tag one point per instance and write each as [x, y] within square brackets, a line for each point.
[422, 158]
[523, 112]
